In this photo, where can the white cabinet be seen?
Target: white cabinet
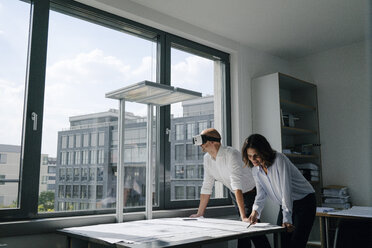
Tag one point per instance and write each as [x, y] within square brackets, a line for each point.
[285, 111]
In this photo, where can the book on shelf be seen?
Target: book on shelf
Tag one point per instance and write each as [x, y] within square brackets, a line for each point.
[310, 175]
[309, 170]
[335, 190]
[341, 199]
[346, 205]
[314, 179]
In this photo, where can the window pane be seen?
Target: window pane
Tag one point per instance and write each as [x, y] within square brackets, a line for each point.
[190, 171]
[84, 62]
[190, 152]
[190, 130]
[14, 27]
[179, 153]
[180, 172]
[71, 141]
[179, 132]
[190, 192]
[179, 192]
[93, 141]
[188, 118]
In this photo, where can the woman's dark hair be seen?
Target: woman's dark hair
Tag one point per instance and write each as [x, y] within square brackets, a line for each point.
[262, 146]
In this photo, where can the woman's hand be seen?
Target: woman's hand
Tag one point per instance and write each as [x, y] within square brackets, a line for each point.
[253, 217]
[290, 228]
[197, 215]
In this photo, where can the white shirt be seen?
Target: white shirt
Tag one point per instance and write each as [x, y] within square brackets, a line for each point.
[283, 184]
[227, 169]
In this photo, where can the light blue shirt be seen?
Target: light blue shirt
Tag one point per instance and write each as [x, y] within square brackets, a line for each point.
[283, 184]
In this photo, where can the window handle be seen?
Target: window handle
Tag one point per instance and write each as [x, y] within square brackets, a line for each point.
[168, 131]
[34, 119]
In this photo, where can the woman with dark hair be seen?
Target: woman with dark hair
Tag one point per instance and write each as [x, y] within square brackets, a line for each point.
[276, 177]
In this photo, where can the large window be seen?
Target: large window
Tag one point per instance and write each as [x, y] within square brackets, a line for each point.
[67, 130]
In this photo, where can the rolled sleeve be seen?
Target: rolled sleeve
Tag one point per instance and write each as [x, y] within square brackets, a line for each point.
[235, 164]
[207, 187]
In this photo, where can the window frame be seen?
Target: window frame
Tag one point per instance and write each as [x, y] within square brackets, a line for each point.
[34, 102]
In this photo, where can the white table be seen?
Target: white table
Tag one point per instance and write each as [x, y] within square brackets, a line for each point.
[167, 232]
[354, 213]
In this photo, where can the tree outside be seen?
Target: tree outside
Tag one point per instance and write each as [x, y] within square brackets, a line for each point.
[46, 201]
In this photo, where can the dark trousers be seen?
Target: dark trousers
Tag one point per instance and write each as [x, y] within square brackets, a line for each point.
[259, 241]
[303, 215]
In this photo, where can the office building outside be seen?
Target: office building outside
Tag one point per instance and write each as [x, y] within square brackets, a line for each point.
[9, 174]
[87, 158]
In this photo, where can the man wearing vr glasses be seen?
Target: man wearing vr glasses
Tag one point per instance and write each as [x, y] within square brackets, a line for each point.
[224, 164]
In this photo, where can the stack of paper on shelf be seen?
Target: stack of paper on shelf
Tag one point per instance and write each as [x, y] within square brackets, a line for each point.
[309, 170]
[336, 196]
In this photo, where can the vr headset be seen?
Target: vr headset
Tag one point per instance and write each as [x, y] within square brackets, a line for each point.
[201, 139]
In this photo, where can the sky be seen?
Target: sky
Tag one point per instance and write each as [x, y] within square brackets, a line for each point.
[84, 62]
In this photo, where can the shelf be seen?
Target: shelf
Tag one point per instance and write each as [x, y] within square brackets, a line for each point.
[293, 155]
[293, 107]
[279, 99]
[296, 131]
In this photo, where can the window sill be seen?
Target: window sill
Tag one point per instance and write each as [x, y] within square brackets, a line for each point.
[49, 225]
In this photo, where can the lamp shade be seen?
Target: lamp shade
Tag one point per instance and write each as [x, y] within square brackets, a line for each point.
[153, 93]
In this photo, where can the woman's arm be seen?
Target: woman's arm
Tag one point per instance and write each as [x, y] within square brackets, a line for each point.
[283, 165]
[259, 201]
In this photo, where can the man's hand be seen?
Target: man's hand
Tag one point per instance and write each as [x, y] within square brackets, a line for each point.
[290, 228]
[196, 215]
[246, 220]
[253, 217]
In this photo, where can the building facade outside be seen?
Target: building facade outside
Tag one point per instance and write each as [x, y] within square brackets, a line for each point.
[9, 170]
[87, 158]
[87, 155]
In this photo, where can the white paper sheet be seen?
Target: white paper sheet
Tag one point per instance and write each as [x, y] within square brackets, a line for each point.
[166, 230]
[356, 211]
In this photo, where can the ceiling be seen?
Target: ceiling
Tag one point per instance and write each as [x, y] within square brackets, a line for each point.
[286, 28]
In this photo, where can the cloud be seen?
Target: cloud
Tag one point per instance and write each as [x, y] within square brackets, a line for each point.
[87, 68]
[11, 98]
[147, 67]
[193, 73]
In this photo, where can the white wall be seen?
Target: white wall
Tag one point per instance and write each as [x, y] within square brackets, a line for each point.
[344, 100]
[251, 64]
